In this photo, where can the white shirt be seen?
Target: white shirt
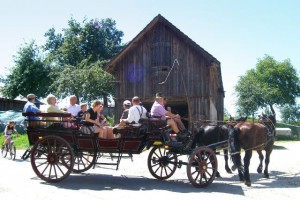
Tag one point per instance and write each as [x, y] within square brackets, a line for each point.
[135, 113]
[73, 109]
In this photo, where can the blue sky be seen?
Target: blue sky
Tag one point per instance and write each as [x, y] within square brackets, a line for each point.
[236, 32]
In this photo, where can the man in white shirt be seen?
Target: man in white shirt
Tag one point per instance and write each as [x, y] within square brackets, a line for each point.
[136, 111]
[73, 108]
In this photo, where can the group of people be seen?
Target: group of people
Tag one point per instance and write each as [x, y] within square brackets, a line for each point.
[95, 120]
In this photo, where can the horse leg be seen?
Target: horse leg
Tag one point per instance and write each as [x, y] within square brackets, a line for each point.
[247, 158]
[226, 161]
[261, 158]
[267, 160]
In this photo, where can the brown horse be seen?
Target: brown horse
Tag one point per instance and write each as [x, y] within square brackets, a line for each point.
[252, 136]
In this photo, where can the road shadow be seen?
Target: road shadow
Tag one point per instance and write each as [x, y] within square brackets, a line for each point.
[279, 147]
[97, 182]
[277, 179]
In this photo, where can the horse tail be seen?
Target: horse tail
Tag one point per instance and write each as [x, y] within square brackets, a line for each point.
[235, 148]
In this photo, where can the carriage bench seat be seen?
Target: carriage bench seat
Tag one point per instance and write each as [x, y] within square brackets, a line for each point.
[48, 120]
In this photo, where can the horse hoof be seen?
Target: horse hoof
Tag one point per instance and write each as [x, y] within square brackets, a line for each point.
[233, 168]
[259, 170]
[229, 171]
[267, 176]
[218, 175]
[248, 183]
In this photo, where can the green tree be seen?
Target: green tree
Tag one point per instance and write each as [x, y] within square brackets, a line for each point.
[290, 113]
[270, 83]
[279, 80]
[249, 94]
[29, 75]
[76, 53]
[87, 82]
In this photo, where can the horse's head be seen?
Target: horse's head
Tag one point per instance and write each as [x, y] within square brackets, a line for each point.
[242, 119]
[267, 120]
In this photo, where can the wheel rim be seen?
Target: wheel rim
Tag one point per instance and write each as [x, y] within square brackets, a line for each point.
[4, 151]
[52, 159]
[83, 160]
[12, 152]
[202, 167]
[162, 164]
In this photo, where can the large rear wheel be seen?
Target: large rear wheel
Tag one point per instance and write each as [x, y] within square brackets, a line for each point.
[52, 158]
[202, 167]
[161, 163]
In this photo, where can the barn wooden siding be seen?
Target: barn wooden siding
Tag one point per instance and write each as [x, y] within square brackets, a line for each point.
[196, 82]
[10, 104]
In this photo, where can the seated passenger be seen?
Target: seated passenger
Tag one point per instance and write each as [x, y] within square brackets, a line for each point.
[53, 108]
[73, 108]
[136, 112]
[159, 110]
[92, 119]
[30, 107]
[82, 112]
[177, 119]
[126, 106]
[108, 130]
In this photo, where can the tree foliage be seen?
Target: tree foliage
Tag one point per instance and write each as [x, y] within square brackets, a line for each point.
[73, 63]
[78, 56]
[290, 113]
[87, 82]
[29, 75]
[270, 83]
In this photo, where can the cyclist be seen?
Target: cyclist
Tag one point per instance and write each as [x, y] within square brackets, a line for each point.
[9, 130]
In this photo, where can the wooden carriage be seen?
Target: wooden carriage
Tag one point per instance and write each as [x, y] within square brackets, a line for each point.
[59, 148]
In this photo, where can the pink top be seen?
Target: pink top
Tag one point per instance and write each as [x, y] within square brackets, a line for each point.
[158, 110]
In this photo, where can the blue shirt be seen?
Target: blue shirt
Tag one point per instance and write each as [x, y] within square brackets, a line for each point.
[30, 108]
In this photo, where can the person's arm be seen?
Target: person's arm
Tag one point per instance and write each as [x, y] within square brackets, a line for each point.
[103, 118]
[88, 119]
[130, 117]
[35, 109]
[171, 115]
[15, 130]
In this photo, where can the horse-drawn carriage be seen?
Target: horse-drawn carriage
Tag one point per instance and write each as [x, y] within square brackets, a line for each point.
[59, 148]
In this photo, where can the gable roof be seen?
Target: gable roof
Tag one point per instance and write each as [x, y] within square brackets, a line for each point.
[158, 19]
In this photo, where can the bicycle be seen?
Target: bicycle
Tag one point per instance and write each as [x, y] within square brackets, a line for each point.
[9, 148]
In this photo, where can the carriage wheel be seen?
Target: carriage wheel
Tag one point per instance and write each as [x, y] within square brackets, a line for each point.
[202, 167]
[52, 159]
[162, 164]
[83, 160]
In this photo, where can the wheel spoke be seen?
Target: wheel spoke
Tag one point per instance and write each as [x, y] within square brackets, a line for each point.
[165, 169]
[60, 169]
[160, 152]
[46, 162]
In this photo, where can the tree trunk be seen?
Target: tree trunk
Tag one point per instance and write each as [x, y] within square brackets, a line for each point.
[272, 109]
[105, 101]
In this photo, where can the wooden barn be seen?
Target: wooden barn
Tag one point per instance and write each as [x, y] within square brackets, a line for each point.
[161, 58]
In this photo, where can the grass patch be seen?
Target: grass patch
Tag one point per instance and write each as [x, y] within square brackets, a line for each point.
[21, 142]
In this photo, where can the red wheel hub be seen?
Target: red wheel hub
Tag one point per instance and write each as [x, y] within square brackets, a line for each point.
[52, 158]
